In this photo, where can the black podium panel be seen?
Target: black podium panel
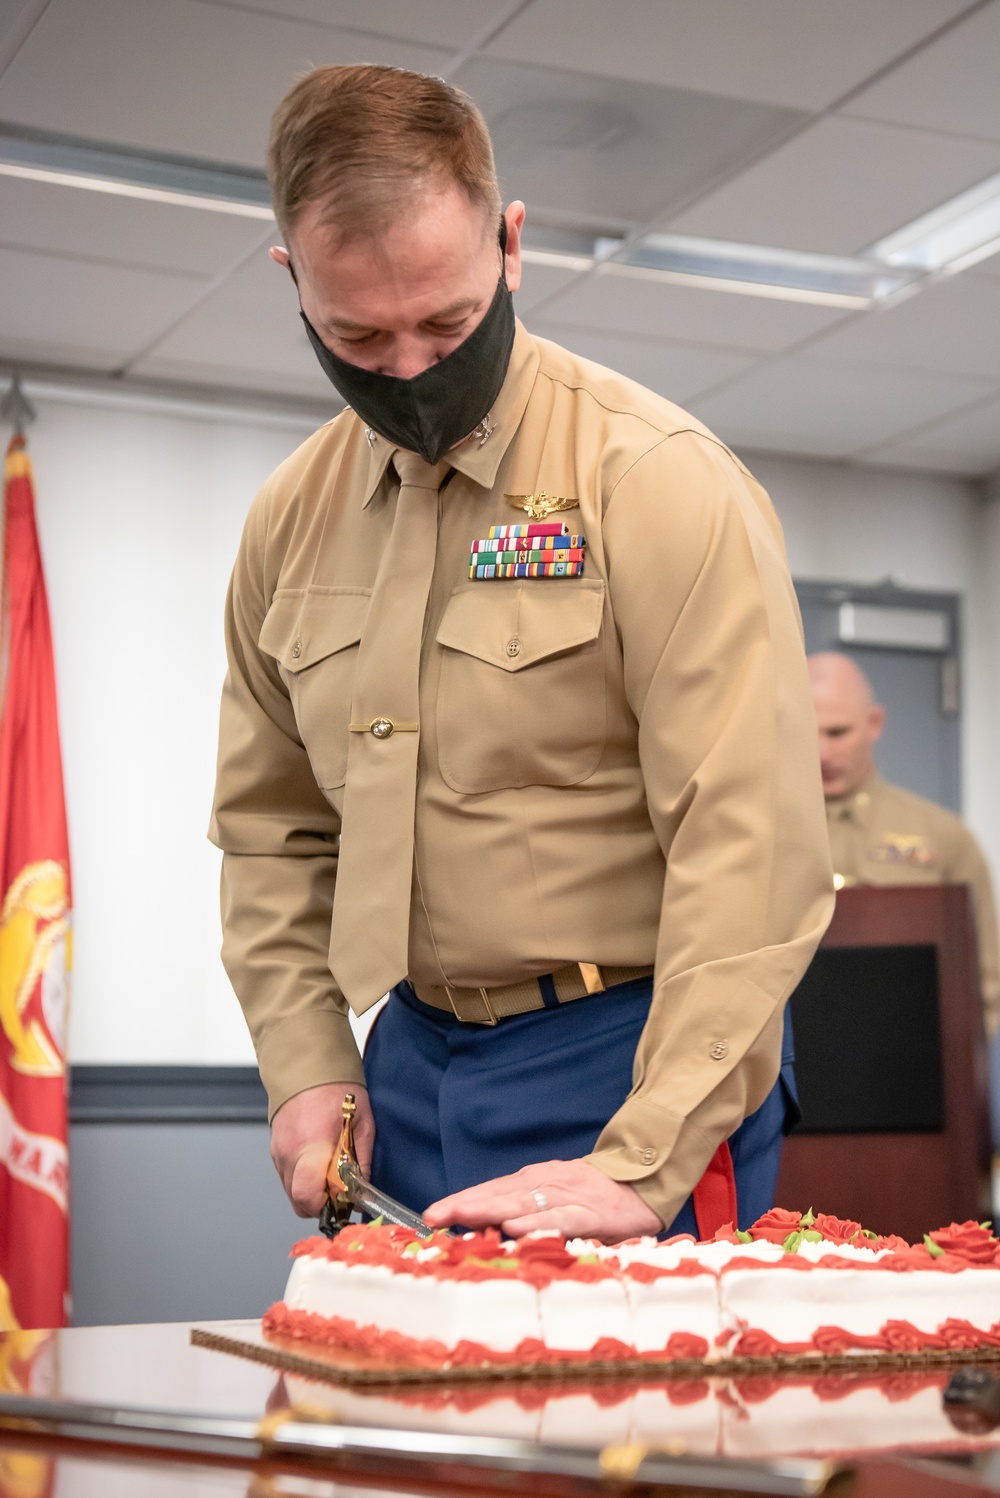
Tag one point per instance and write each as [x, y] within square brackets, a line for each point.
[868, 1041]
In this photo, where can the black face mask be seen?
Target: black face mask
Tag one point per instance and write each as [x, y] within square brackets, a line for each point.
[442, 405]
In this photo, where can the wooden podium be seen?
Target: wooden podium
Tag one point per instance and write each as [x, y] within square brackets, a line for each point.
[891, 1062]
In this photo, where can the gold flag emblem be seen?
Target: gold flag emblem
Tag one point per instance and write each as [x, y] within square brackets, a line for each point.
[540, 506]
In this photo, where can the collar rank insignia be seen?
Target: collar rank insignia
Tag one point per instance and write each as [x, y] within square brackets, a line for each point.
[540, 506]
[545, 549]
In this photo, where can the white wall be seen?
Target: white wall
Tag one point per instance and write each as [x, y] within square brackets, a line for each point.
[864, 525]
[140, 515]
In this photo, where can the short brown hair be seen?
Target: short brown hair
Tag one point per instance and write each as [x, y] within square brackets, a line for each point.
[364, 140]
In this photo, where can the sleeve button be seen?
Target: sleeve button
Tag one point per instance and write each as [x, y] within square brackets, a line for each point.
[646, 1154]
[296, 650]
[720, 1050]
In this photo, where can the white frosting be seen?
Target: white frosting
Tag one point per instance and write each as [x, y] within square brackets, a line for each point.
[498, 1313]
[574, 1316]
[788, 1304]
[685, 1304]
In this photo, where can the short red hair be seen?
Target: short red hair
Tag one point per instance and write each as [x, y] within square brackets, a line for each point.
[364, 141]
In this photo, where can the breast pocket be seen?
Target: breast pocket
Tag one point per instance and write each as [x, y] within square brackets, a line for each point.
[314, 638]
[521, 699]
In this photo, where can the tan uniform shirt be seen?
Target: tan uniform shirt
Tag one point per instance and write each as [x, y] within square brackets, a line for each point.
[881, 834]
[637, 781]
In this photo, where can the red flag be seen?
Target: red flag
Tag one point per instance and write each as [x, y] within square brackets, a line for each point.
[34, 935]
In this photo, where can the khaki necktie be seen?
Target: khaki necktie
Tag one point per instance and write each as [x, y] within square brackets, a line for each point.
[369, 936]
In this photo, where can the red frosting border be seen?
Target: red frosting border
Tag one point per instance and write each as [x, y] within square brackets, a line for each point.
[394, 1348]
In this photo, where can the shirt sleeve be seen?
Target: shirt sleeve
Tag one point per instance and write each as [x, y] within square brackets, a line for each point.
[716, 677]
[279, 837]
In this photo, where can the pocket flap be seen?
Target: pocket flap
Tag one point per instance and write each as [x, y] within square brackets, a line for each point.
[300, 629]
[513, 626]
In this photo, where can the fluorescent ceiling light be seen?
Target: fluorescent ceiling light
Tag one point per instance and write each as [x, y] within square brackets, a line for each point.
[958, 234]
[38, 156]
[760, 270]
[136, 190]
[719, 265]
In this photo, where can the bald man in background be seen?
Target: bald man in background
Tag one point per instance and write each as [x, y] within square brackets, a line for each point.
[881, 834]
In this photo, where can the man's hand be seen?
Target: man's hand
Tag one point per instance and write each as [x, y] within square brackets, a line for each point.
[574, 1198]
[303, 1134]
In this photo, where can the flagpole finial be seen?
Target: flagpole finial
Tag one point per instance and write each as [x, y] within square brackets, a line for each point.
[16, 408]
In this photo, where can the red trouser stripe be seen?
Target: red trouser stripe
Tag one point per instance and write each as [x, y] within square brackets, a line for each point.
[715, 1194]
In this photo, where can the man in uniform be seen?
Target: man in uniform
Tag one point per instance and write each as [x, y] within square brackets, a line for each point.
[881, 834]
[567, 811]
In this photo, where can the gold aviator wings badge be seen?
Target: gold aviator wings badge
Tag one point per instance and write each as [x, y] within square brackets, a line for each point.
[540, 506]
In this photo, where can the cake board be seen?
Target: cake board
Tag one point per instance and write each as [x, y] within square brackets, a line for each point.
[331, 1365]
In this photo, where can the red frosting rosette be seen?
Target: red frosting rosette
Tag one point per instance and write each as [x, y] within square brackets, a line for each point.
[970, 1241]
[839, 1229]
[776, 1225]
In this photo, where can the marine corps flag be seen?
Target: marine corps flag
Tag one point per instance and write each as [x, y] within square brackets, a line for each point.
[34, 934]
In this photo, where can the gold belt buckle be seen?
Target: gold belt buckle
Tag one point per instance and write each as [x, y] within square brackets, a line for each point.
[491, 1018]
[593, 980]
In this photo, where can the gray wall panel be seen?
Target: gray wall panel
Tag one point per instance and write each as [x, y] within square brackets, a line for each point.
[176, 1222]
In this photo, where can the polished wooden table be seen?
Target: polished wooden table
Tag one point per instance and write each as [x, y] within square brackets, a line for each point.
[157, 1367]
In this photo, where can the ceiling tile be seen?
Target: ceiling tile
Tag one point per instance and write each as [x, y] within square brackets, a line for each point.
[539, 282]
[799, 405]
[968, 442]
[194, 79]
[453, 24]
[56, 309]
[248, 333]
[11, 12]
[802, 53]
[949, 86]
[839, 186]
[126, 231]
[939, 329]
[989, 268]
[675, 371]
[659, 309]
[601, 148]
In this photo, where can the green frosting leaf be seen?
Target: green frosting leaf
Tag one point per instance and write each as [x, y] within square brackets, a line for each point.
[588, 1259]
[934, 1249]
[988, 1225]
[867, 1233]
[807, 1219]
[742, 1237]
[811, 1236]
[791, 1243]
[413, 1248]
[377, 1222]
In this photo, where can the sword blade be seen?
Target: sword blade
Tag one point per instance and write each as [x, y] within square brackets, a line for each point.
[377, 1204]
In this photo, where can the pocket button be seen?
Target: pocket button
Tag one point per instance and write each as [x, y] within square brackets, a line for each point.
[513, 647]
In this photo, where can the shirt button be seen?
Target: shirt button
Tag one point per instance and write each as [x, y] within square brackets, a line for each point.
[513, 647]
[382, 727]
[296, 650]
[645, 1154]
[720, 1050]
